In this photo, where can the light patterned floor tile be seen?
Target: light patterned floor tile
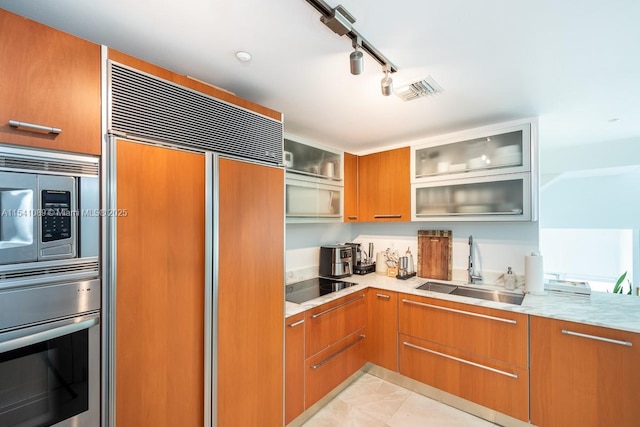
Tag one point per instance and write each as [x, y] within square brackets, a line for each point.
[420, 411]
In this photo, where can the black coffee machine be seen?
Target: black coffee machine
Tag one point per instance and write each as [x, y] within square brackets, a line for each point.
[361, 263]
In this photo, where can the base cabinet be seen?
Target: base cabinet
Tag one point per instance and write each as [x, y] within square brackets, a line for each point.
[477, 353]
[583, 375]
[294, 367]
[382, 325]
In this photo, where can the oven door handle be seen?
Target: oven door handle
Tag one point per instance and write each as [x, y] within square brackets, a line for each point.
[46, 335]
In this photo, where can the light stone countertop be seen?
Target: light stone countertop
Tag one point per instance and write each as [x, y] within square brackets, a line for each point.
[599, 309]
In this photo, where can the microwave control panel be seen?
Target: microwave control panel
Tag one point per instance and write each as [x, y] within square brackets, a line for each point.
[56, 215]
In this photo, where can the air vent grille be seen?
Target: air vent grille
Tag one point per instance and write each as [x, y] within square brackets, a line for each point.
[57, 270]
[48, 166]
[419, 89]
[147, 107]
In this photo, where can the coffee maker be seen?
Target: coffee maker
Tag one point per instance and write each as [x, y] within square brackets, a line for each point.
[336, 261]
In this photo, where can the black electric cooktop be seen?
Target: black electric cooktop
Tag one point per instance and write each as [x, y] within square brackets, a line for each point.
[313, 288]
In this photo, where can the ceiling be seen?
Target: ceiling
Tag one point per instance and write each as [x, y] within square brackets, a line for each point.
[573, 64]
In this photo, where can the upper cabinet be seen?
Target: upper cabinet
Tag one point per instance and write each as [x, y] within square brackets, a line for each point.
[485, 174]
[50, 91]
[314, 184]
[384, 186]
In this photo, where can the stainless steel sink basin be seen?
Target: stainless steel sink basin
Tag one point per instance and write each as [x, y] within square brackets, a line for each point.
[466, 291]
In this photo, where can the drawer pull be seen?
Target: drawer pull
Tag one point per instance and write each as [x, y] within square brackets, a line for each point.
[469, 313]
[387, 216]
[34, 128]
[317, 365]
[294, 324]
[383, 296]
[313, 316]
[352, 217]
[457, 359]
[594, 337]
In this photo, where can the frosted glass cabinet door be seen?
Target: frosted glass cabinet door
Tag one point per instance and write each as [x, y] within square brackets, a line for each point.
[312, 202]
[308, 161]
[504, 151]
[496, 198]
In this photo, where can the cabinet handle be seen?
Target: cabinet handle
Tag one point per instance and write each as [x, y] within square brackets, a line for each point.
[352, 217]
[383, 296]
[597, 338]
[468, 313]
[457, 359]
[313, 316]
[294, 324]
[317, 365]
[34, 128]
[387, 216]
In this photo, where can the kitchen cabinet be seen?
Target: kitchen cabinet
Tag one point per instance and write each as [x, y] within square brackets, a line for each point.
[484, 174]
[159, 286]
[382, 327]
[476, 353]
[335, 348]
[583, 375]
[50, 79]
[250, 295]
[294, 367]
[314, 184]
[350, 187]
[384, 186]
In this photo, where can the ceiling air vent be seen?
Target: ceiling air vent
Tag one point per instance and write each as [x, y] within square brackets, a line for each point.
[415, 90]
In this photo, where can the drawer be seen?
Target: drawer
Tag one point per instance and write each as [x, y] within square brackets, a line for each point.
[495, 334]
[327, 369]
[491, 383]
[331, 322]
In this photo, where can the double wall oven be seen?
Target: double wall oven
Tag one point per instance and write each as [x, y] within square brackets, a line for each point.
[49, 289]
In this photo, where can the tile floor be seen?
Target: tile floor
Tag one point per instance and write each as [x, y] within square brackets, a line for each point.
[374, 402]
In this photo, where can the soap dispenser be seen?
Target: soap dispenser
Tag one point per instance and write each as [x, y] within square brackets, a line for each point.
[509, 280]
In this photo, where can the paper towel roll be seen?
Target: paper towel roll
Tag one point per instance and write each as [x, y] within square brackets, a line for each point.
[381, 264]
[534, 274]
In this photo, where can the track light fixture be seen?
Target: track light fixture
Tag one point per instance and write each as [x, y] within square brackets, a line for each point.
[386, 84]
[340, 21]
[356, 59]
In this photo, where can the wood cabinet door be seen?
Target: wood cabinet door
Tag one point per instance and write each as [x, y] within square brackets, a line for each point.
[294, 367]
[334, 320]
[384, 190]
[382, 326]
[583, 375]
[250, 295]
[160, 256]
[52, 79]
[350, 187]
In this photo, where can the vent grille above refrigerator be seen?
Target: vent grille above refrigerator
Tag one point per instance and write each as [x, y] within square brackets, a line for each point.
[143, 106]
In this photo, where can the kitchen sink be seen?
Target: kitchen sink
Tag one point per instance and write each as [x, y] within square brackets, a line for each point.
[466, 291]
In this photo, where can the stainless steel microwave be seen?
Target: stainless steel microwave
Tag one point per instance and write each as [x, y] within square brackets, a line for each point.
[48, 206]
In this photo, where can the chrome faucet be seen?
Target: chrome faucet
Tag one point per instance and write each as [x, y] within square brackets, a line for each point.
[472, 276]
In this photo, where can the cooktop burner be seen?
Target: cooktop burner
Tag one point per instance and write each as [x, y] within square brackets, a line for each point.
[313, 288]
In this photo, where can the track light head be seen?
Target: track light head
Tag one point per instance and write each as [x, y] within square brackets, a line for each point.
[386, 84]
[356, 61]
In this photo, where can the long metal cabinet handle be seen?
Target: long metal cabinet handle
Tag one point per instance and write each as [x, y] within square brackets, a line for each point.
[388, 216]
[294, 324]
[457, 359]
[313, 316]
[383, 296]
[595, 337]
[469, 313]
[317, 365]
[34, 128]
[46, 335]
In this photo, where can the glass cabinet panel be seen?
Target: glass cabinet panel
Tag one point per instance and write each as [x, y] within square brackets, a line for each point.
[312, 161]
[313, 202]
[506, 148]
[498, 198]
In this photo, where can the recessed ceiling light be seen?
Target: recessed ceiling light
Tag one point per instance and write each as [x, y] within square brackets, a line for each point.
[243, 56]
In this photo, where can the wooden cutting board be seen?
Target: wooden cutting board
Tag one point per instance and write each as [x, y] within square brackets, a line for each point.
[434, 254]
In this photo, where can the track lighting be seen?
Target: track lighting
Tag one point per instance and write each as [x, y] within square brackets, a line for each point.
[356, 60]
[386, 84]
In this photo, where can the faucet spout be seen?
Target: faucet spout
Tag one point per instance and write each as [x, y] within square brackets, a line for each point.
[472, 276]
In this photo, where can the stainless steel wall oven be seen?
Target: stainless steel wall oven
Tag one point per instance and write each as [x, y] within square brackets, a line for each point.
[49, 289]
